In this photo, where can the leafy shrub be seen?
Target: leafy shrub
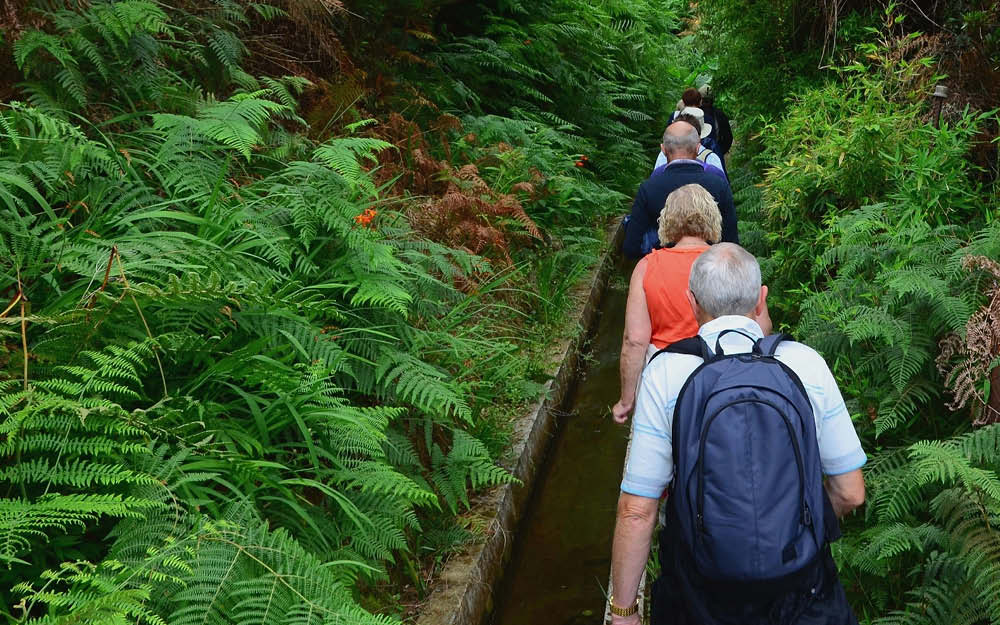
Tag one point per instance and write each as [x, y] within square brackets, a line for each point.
[601, 75]
[871, 214]
[232, 369]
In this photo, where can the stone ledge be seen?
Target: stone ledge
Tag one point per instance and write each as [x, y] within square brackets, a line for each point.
[464, 590]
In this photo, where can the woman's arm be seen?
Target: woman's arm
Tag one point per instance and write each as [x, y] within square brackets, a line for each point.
[635, 341]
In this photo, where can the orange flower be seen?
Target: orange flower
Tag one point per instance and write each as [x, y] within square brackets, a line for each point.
[365, 218]
[579, 163]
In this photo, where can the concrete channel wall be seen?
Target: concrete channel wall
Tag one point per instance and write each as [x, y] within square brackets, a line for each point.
[463, 594]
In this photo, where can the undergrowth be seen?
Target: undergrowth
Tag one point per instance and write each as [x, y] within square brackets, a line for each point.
[256, 359]
[879, 234]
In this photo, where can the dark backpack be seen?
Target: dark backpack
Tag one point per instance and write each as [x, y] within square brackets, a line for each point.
[710, 143]
[710, 119]
[747, 498]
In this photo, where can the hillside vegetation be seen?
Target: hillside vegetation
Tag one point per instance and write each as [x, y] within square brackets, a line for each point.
[277, 277]
[881, 236]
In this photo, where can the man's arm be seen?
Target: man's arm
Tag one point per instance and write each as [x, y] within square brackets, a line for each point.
[635, 342]
[846, 491]
[637, 226]
[648, 471]
[840, 452]
[633, 533]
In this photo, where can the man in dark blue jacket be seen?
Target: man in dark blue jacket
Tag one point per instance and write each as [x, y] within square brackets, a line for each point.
[680, 145]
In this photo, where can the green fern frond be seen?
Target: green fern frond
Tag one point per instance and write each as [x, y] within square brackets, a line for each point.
[344, 155]
[414, 381]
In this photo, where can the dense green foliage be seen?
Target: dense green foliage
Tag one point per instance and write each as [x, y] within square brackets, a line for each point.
[250, 376]
[613, 93]
[872, 220]
[252, 365]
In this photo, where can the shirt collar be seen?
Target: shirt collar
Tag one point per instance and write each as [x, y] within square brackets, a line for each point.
[731, 342]
[680, 161]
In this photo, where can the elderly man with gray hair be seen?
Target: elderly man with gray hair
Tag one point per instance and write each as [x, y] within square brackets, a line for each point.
[739, 497]
[680, 145]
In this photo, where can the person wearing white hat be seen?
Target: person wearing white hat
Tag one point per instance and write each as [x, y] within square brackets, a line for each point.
[696, 117]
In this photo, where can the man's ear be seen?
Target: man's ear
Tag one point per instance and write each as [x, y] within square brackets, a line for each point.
[663, 149]
[694, 304]
[761, 306]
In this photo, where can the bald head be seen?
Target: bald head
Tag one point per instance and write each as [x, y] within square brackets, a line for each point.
[680, 140]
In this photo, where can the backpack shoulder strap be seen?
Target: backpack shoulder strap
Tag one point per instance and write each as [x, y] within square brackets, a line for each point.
[704, 154]
[769, 344]
[692, 346]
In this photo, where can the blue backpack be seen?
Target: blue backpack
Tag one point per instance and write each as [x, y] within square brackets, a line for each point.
[747, 498]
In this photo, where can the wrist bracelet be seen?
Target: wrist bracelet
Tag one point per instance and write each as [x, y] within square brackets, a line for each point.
[629, 611]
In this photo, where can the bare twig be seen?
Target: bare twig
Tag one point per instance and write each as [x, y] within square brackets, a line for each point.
[149, 333]
[24, 325]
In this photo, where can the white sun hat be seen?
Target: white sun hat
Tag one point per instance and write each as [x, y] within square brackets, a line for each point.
[697, 113]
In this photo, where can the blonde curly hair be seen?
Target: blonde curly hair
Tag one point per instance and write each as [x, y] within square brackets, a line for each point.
[690, 211]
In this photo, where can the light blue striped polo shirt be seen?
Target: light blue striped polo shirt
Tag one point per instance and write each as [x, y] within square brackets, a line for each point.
[650, 465]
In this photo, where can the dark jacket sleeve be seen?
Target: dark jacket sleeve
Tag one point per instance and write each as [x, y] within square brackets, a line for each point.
[730, 231]
[725, 132]
[638, 224]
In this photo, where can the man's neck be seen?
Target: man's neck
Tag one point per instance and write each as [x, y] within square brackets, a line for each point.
[681, 159]
[702, 318]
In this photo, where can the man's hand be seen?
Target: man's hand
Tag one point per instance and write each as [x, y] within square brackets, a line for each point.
[846, 491]
[621, 411]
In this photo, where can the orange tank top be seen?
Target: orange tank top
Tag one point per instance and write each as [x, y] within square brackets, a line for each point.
[665, 284]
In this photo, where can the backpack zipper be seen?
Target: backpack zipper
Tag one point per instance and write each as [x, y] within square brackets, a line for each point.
[806, 515]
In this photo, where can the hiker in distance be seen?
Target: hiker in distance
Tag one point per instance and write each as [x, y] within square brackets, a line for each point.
[745, 428]
[690, 97]
[696, 117]
[723, 130]
[680, 145]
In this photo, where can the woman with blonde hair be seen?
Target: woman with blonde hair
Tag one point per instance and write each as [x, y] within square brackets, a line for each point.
[657, 312]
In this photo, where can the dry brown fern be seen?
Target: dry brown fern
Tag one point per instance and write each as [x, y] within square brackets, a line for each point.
[977, 353]
[461, 208]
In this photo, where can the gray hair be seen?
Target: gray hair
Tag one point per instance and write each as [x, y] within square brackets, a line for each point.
[725, 280]
[686, 144]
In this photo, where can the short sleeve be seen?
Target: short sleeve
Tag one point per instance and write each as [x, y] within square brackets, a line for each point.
[661, 160]
[650, 464]
[839, 447]
[714, 159]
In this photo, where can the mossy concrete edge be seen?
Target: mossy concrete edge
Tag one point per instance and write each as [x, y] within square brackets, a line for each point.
[463, 592]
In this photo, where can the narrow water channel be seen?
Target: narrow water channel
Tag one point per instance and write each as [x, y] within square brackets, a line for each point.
[558, 572]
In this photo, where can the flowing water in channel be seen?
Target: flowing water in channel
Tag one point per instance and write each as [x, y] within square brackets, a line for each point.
[562, 554]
